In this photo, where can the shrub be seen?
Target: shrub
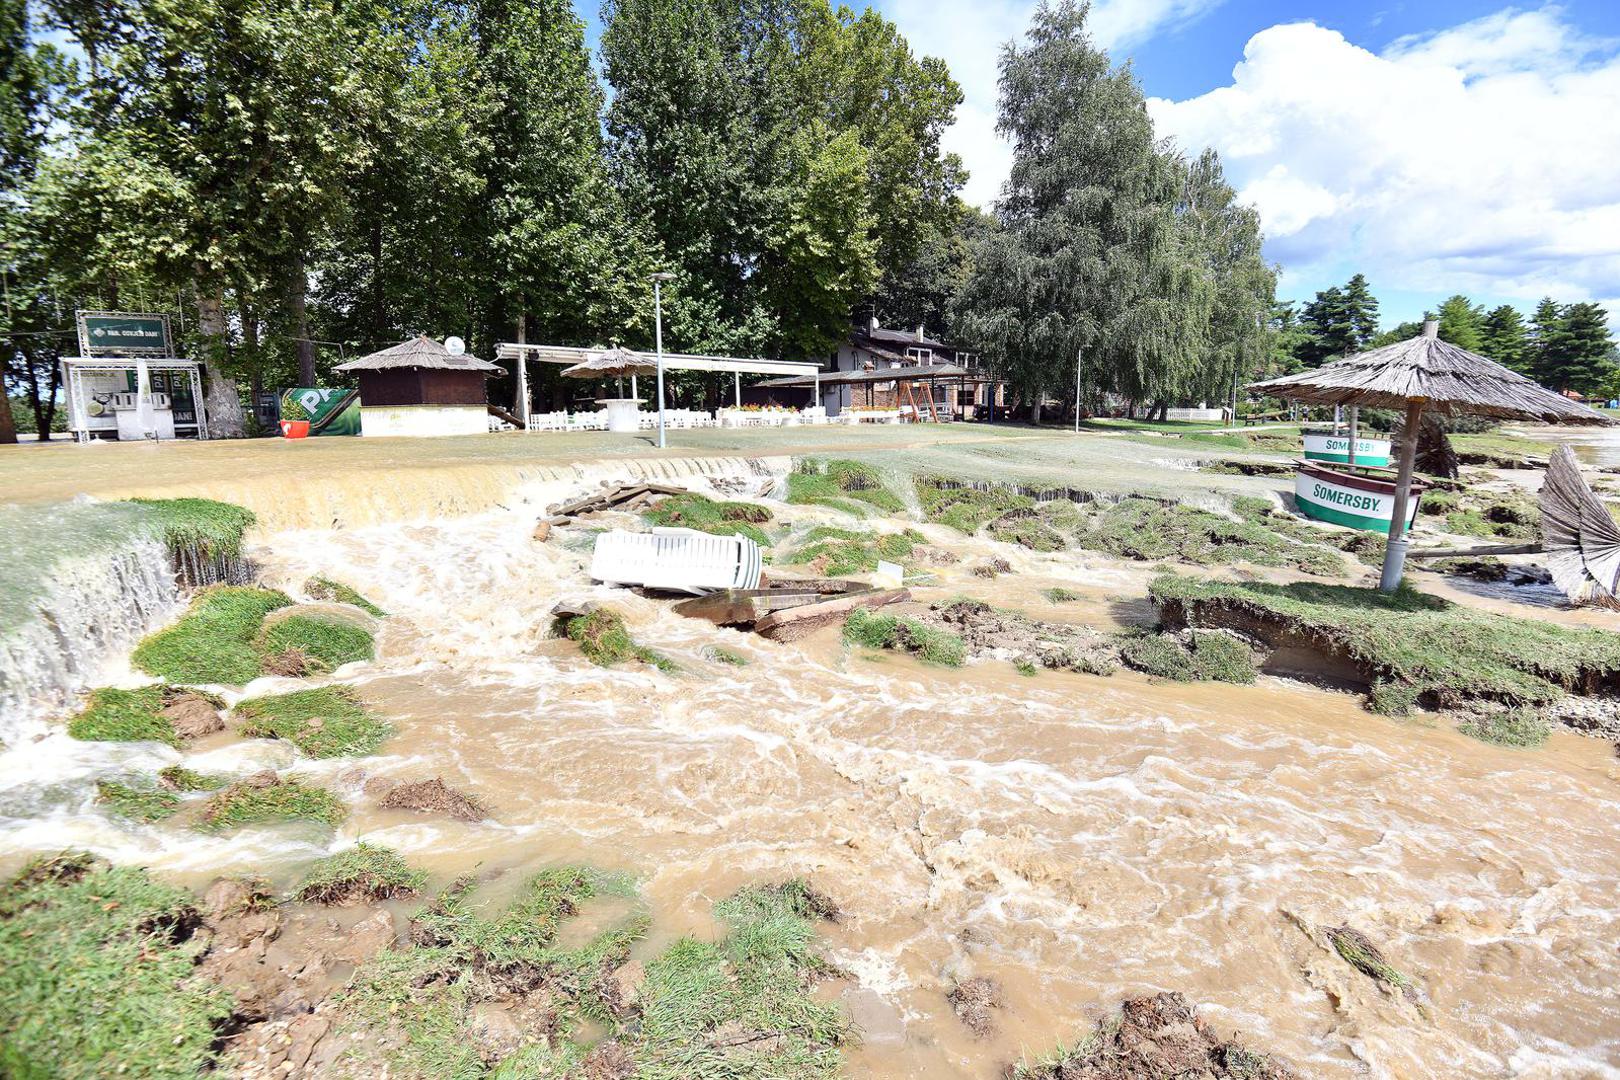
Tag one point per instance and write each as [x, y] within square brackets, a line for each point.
[327, 721]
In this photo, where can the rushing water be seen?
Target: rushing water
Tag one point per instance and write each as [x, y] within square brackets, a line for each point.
[1079, 839]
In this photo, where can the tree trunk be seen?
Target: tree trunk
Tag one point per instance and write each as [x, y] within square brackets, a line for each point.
[222, 400]
[297, 309]
[8, 423]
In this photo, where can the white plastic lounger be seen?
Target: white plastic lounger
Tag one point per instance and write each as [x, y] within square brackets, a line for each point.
[680, 560]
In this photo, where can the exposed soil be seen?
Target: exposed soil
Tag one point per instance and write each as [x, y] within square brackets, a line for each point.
[434, 797]
[1158, 1036]
[192, 714]
[973, 1001]
[989, 631]
[291, 663]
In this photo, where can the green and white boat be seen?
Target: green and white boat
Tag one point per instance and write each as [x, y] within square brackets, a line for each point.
[1337, 448]
[1348, 498]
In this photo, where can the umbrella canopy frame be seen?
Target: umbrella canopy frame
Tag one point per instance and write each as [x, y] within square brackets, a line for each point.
[1425, 374]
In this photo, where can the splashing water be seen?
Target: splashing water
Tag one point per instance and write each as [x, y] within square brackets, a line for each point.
[1078, 839]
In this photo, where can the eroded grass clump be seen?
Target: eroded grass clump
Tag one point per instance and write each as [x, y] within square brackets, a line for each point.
[139, 803]
[364, 873]
[719, 654]
[1027, 529]
[1358, 950]
[693, 511]
[837, 552]
[214, 641]
[1148, 531]
[929, 644]
[113, 715]
[850, 486]
[266, 798]
[1515, 727]
[605, 641]
[1057, 594]
[966, 509]
[100, 975]
[1413, 648]
[204, 537]
[327, 721]
[1209, 656]
[324, 643]
[180, 778]
[320, 588]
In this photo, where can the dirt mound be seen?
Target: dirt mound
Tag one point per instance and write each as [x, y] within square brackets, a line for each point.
[972, 1000]
[990, 631]
[1158, 1036]
[434, 797]
[292, 663]
[192, 715]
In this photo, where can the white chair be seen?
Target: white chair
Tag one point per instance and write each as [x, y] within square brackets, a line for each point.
[678, 560]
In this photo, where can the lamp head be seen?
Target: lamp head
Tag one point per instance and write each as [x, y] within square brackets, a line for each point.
[662, 275]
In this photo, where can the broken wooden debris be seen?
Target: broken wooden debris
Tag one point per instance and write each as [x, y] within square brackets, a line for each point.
[790, 624]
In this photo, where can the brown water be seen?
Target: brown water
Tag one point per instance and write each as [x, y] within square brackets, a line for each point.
[1079, 839]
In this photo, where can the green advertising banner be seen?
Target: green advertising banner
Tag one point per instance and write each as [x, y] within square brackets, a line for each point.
[124, 333]
[329, 412]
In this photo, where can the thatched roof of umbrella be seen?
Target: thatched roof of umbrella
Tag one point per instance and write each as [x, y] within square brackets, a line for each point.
[1422, 375]
[420, 352]
[613, 363]
[1448, 380]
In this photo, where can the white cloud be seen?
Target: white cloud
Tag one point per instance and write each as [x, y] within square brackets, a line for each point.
[1481, 158]
[969, 35]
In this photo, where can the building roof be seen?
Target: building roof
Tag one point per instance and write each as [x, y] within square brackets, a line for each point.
[1447, 380]
[909, 373]
[420, 352]
[905, 338]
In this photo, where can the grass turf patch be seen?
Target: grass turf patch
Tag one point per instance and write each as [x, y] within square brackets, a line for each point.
[927, 643]
[321, 642]
[708, 515]
[321, 588]
[180, 778]
[113, 715]
[214, 640]
[1057, 594]
[327, 721]
[1517, 727]
[204, 537]
[146, 803]
[101, 976]
[848, 551]
[966, 509]
[845, 485]
[256, 801]
[1206, 657]
[1413, 647]
[604, 640]
[719, 654]
[1148, 531]
[364, 873]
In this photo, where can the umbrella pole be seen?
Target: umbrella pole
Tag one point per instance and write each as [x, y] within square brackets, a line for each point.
[1350, 454]
[1395, 551]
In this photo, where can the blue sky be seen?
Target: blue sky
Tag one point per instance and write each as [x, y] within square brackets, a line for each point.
[1437, 146]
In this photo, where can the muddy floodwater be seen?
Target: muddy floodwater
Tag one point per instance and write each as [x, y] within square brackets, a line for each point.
[1079, 839]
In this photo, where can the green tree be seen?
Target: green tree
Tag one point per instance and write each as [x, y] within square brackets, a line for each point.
[1505, 338]
[1546, 347]
[1462, 323]
[1086, 262]
[1585, 349]
[1361, 312]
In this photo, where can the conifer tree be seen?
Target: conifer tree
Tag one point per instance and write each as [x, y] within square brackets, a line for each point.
[1505, 339]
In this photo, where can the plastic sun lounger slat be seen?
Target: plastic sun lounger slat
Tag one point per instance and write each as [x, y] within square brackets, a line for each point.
[677, 559]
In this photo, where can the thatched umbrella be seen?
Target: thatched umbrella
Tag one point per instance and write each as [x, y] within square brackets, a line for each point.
[614, 363]
[1425, 374]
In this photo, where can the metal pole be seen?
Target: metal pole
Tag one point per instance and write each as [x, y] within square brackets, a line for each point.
[1079, 363]
[658, 341]
[736, 379]
[1395, 551]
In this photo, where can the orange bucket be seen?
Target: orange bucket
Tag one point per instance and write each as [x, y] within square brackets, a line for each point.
[295, 429]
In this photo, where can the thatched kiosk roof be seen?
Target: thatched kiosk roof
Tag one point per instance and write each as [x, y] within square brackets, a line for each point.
[1448, 380]
[613, 363]
[420, 352]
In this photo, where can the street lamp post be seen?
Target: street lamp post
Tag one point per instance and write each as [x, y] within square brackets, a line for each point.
[658, 344]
